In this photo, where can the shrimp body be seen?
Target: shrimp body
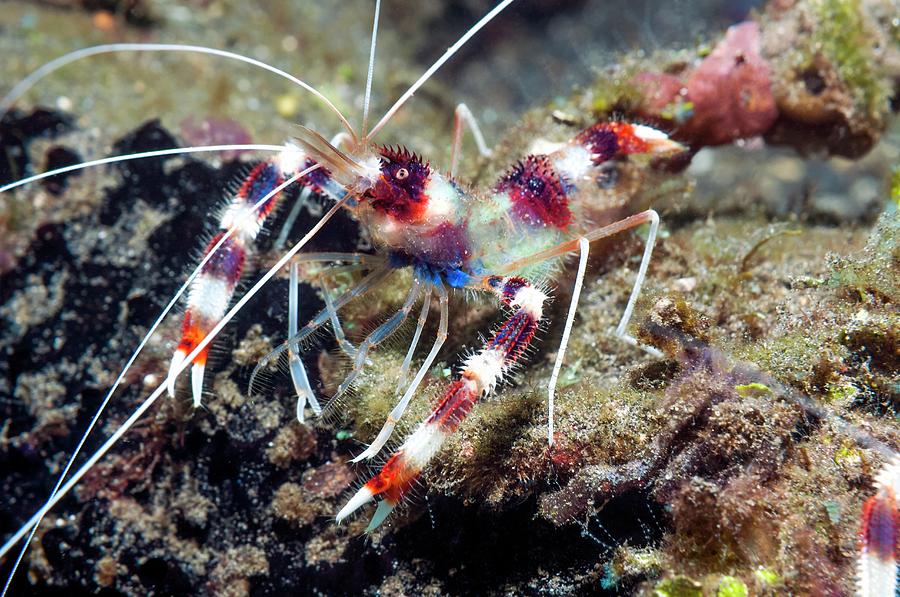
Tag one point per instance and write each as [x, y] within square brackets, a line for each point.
[431, 222]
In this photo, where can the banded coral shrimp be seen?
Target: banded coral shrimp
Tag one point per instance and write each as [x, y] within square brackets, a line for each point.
[249, 561]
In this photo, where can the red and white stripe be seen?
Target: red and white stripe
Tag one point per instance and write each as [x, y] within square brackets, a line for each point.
[879, 536]
[212, 289]
[481, 372]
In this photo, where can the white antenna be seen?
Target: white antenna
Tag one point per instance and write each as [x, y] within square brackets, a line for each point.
[25, 84]
[440, 62]
[365, 123]
[137, 156]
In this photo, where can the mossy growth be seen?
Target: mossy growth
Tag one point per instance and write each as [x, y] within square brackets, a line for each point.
[713, 584]
[841, 35]
[754, 389]
[377, 395]
[630, 562]
[766, 577]
[875, 273]
[614, 91]
[730, 586]
[679, 586]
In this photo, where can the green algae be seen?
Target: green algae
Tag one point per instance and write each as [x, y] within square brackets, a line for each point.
[680, 586]
[842, 393]
[730, 586]
[875, 273]
[766, 576]
[752, 389]
[841, 34]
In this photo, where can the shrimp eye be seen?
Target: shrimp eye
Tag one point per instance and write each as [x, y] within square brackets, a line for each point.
[401, 174]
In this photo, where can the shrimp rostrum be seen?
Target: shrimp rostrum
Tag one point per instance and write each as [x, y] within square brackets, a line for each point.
[501, 241]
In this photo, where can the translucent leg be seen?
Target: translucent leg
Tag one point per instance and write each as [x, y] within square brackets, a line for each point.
[292, 217]
[653, 218]
[380, 334]
[345, 345]
[360, 258]
[463, 116]
[420, 325]
[583, 246]
[298, 372]
[388, 428]
[299, 378]
[355, 261]
[367, 283]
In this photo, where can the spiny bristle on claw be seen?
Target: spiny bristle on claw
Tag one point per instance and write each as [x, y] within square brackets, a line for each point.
[481, 373]
[212, 289]
[605, 140]
[391, 483]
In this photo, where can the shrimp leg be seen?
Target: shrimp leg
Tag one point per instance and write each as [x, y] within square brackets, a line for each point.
[480, 375]
[380, 334]
[394, 416]
[463, 116]
[370, 281]
[645, 217]
[299, 378]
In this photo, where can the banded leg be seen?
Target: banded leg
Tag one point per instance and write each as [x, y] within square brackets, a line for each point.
[213, 287]
[880, 535]
[243, 220]
[385, 434]
[463, 116]
[480, 374]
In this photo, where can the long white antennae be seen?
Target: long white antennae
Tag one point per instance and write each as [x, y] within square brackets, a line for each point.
[134, 357]
[365, 123]
[151, 399]
[434, 67]
[137, 156]
[25, 84]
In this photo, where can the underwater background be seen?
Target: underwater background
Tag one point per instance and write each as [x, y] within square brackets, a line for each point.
[737, 464]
